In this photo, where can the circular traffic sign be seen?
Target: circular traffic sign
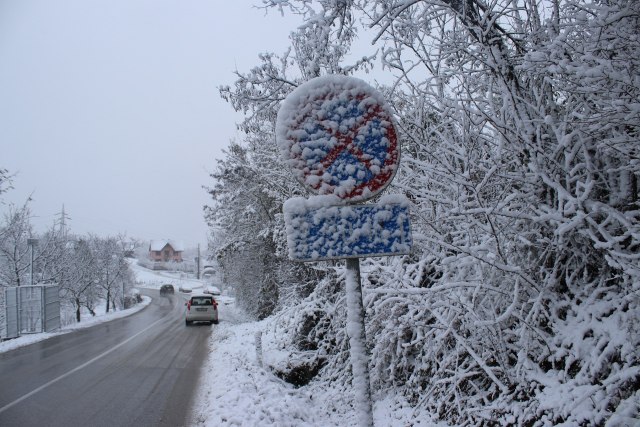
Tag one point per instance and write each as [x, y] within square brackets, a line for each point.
[338, 136]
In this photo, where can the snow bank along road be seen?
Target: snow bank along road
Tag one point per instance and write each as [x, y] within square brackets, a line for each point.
[141, 370]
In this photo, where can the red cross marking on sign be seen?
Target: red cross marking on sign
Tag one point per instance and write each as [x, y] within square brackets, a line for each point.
[345, 140]
[338, 135]
[346, 143]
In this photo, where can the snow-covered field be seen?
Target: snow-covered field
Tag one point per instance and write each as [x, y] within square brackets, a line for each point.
[154, 279]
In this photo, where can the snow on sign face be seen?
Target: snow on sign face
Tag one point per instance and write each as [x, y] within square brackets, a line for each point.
[337, 134]
[319, 228]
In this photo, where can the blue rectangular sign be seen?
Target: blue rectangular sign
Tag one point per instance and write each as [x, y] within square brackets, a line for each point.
[317, 232]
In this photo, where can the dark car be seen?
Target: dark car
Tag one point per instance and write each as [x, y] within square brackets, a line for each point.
[166, 290]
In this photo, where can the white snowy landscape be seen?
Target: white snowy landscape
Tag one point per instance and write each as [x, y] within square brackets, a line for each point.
[238, 386]
[508, 130]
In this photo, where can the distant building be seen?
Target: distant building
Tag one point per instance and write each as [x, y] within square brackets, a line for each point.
[166, 250]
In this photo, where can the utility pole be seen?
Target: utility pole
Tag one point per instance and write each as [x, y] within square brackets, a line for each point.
[198, 263]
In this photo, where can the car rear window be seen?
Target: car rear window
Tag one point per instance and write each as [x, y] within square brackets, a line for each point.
[202, 301]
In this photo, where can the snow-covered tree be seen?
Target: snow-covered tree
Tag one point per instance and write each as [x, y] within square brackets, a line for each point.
[520, 132]
[251, 185]
[242, 215]
[15, 256]
[5, 180]
[110, 268]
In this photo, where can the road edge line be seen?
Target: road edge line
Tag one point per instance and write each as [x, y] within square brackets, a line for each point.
[77, 368]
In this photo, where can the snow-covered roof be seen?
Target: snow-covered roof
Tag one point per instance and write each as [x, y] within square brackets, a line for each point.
[158, 245]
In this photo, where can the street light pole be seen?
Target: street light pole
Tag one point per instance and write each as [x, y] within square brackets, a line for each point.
[31, 243]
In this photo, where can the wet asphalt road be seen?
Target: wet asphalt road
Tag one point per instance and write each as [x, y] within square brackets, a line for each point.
[141, 370]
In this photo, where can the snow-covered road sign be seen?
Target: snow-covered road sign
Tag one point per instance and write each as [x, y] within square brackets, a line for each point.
[337, 134]
[319, 230]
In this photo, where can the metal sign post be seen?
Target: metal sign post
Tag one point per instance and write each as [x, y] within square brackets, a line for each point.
[337, 135]
[358, 343]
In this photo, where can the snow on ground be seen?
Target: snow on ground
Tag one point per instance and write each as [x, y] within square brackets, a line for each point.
[86, 321]
[236, 391]
[154, 279]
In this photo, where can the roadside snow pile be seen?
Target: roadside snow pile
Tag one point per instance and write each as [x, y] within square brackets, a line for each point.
[237, 391]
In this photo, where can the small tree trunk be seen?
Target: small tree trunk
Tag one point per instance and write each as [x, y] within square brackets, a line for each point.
[108, 298]
[77, 309]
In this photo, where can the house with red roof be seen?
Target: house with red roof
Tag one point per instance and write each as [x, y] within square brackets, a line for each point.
[166, 250]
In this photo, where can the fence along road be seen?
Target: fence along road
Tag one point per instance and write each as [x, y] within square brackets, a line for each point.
[140, 370]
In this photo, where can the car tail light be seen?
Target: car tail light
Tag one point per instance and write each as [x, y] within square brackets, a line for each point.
[189, 305]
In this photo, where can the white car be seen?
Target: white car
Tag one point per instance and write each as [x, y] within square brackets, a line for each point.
[201, 308]
[185, 289]
[212, 290]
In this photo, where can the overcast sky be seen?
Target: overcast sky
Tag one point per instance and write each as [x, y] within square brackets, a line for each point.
[111, 107]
